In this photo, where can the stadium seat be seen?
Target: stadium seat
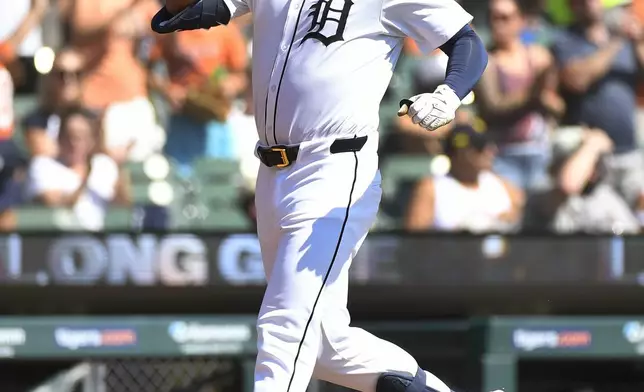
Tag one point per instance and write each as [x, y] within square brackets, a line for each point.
[40, 218]
[140, 183]
[399, 169]
[225, 219]
[137, 174]
[37, 218]
[399, 174]
[118, 218]
[210, 172]
[216, 196]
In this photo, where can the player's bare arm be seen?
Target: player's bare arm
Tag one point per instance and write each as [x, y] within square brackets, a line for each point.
[180, 15]
[467, 62]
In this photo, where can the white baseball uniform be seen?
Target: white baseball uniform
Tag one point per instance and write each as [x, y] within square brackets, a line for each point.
[320, 70]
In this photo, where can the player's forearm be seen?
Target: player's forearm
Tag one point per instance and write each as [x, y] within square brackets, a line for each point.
[467, 61]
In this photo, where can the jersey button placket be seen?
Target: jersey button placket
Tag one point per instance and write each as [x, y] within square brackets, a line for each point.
[277, 71]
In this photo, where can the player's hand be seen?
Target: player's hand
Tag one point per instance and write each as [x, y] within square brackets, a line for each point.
[431, 111]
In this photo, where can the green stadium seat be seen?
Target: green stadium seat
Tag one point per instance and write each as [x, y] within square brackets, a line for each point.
[140, 182]
[399, 169]
[40, 218]
[203, 218]
[140, 194]
[399, 175]
[37, 218]
[210, 172]
[137, 174]
[118, 218]
[22, 105]
[216, 194]
[225, 219]
[219, 196]
[384, 222]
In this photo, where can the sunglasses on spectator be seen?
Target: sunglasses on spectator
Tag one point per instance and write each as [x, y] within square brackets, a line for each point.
[66, 74]
[503, 17]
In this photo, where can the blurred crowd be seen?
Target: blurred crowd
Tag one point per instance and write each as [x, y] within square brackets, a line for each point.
[110, 93]
[550, 140]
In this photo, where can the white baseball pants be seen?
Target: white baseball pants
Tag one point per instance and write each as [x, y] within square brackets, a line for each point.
[312, 218]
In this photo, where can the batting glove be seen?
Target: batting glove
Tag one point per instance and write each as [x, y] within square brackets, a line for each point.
[431, 111]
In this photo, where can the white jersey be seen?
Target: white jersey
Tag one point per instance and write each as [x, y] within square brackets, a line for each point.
[320, 70]
[458, 207]
[321, 67]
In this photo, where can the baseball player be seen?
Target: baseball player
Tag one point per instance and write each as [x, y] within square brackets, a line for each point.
[320, 70]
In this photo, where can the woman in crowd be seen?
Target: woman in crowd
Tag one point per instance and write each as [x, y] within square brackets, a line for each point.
[108, 35]
[517, 98]
[80, 177]
[470, 197]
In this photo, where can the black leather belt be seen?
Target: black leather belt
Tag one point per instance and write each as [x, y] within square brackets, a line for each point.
[284, 156]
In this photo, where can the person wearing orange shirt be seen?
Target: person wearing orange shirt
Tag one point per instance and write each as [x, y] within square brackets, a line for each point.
[107, 35]
[192, 59]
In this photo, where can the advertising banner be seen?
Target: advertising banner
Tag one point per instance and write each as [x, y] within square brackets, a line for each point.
[80, 337]
[194, 260]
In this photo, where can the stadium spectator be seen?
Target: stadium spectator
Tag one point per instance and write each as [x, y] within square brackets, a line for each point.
[638, 11]
[11, 159]
[7, 117]
[470, 197]
[80, 178]
[580, 201]
[517, 98]
[600, 66]
[20, 34]
[107, 34]
[61, 90]
[206, 71]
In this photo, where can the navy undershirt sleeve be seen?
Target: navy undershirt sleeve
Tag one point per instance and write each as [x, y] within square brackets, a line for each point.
[204, 14]
[467, 61]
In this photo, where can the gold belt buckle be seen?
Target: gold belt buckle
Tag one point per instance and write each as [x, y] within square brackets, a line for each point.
[285, 161]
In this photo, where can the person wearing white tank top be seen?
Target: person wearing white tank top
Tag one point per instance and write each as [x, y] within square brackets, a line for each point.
[470, 197]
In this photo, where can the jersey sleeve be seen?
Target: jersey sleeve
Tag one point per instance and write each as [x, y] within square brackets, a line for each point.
[430, 23]
[237, 7]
